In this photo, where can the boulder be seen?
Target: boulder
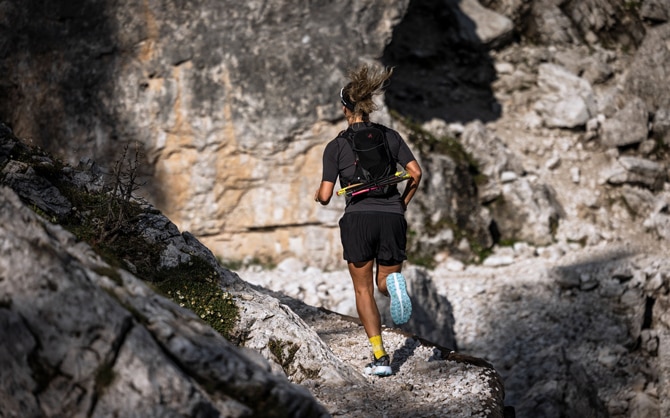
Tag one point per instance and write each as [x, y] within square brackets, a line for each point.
[658, 219]
[490, 28]
[661, 125]
[520, 209]
[647, 75]
[636, 170]
[567, 100]
[630, 125]
[657, 11]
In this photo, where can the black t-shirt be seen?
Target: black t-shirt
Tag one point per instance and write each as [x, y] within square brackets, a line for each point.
[338, 161]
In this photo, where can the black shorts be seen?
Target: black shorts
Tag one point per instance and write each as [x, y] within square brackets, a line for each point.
[377, 236]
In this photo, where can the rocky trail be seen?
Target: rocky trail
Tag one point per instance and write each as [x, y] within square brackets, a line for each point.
[563, 326]
[427, 380]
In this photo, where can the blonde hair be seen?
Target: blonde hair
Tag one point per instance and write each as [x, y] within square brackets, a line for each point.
[366, 82]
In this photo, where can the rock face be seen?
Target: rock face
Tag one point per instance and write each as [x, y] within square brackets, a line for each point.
[79, 341]
[231, 131]
[230, 102]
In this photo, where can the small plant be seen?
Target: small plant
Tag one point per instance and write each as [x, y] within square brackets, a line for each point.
[309, 373]
[197, 288]
[480, 252]
[632, 5]
[284, 352]
[120, 207]
[104, 377]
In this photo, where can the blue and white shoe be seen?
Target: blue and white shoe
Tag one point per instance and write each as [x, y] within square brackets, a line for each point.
[379, 367]
[401, 305]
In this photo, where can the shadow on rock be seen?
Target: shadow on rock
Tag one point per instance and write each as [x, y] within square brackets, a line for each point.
[443, 70]
[432, 314]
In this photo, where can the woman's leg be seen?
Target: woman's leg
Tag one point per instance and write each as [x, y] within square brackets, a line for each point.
[382, 272]
[364, 289]
[361, 275]
[393, 284]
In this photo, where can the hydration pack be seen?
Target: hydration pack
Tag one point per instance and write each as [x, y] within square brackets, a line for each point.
[373, 158]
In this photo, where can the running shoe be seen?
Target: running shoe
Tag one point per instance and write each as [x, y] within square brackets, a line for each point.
[379, 367]
[401, 305]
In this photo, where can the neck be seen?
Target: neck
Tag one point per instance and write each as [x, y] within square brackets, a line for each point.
[355, 119]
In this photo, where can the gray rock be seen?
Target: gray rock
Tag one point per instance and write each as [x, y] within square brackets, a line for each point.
[527, 212]
[643, 166]
[596, 69]
[655, 10]
[647, 73]
[661, 125]
[664, 372]
[490, 28]
[568, 100]
[658, 219]
[592, 64]
[79, 342]
[643, 405]
[635, 170]
[640, 201]
[199, 115]
[37, 190]
[551, 25]
[493, 157]
[627, 126]
[600, 22]
[451, 181]
[96, 340]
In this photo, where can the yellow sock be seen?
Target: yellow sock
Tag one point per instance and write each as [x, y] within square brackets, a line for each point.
[377, 346]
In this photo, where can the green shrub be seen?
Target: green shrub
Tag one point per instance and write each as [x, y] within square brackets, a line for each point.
[197, 287]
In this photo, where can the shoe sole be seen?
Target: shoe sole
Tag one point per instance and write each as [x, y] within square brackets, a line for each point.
[401, 305]
[379, 371]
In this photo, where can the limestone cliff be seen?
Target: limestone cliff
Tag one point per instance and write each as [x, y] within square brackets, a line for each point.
[232, 104]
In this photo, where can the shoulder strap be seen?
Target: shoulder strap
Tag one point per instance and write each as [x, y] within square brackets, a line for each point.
[349, 133]
[383, 129]
[386, 144]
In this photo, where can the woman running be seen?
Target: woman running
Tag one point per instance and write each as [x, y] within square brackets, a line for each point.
[373, 228]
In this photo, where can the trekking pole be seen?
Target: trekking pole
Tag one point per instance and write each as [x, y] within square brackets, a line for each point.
[375, 187]
[398, 176]
[349, 187]
[360, 188]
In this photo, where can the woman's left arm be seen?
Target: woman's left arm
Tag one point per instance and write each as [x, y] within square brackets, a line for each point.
[414, 171]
